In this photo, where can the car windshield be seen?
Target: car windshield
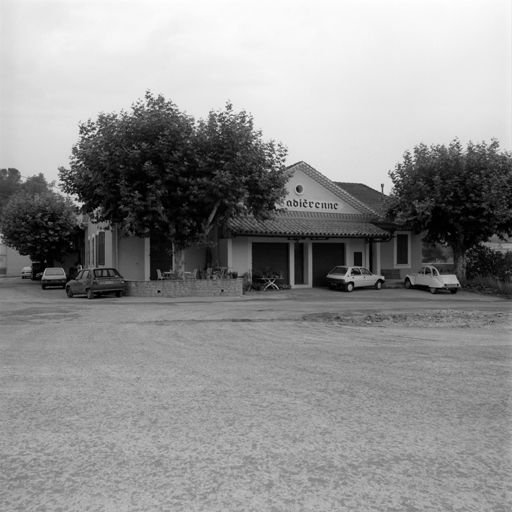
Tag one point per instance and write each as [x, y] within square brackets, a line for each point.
[339, 270]
[54, 272]
[106, 272]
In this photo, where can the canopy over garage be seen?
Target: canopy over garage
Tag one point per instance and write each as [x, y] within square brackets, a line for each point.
[308, 225]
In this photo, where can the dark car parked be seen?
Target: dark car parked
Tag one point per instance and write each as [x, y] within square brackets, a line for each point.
[37, 271]
[95, 281]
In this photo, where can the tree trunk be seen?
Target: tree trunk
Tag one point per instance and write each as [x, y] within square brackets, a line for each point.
[459, 261]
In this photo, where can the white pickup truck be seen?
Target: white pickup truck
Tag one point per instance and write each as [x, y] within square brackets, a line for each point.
[429, 277]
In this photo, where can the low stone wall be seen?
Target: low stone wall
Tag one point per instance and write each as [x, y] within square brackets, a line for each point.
[186, 288]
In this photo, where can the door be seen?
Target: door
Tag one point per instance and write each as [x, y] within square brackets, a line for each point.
[160, 257]
[271, 257]
[422, 278]
[74, 283]
[325, 258]
[369, 278]
[357, 278]
[299, 263]
[86, 281]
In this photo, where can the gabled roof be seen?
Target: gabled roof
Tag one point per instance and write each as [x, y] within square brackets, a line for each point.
[334, 188]
[310, 224]
[367, 195]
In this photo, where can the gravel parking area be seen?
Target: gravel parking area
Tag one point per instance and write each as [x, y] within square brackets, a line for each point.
[269, 403]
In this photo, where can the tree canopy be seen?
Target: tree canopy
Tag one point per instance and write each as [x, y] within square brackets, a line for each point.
[155, 171]
[42, 226]
[457, 197]
[11, 184]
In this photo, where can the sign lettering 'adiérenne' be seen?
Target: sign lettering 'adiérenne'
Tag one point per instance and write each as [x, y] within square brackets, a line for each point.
[314, 205]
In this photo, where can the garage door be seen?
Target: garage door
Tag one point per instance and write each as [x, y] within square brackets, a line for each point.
[325, 258]
[272, 256]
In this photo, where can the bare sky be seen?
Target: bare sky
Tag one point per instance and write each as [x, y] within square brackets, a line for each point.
[346, 85]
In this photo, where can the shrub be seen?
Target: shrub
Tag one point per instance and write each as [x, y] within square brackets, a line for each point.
[484, 262]
[488, 286]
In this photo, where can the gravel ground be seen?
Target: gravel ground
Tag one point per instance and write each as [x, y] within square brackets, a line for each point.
[276, 403]
[432, 318]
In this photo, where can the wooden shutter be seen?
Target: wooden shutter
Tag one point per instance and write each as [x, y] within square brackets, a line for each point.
[402, 249]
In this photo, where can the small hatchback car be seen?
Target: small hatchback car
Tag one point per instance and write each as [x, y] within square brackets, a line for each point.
[95, 281]
[26, 272]
[349, 278]
[53, 276]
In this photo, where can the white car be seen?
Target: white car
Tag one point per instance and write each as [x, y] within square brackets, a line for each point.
[429, 277]
[26, 272]
[349, 278]
[53, 276]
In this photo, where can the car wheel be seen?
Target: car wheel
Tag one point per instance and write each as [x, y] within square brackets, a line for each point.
[43, 287]
[119, 293]
[378, 285]
[408, 284]
[350, 287]
[69, 292]
[454, 291]
[433, 291]
[89, 293]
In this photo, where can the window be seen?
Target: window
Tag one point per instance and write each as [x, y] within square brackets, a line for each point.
[402, 250]
[54, 272]
[358, 259]
[100, 245]
[355, 272]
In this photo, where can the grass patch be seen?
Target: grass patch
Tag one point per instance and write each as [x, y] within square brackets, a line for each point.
[488, 286]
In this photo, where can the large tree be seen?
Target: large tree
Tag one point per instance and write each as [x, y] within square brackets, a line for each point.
[42, 226]
[154, 171]
[457, 197]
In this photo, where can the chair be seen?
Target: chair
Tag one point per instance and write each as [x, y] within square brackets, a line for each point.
[159, 274]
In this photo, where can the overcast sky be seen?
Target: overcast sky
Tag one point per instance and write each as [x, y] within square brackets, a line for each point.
[346, 85]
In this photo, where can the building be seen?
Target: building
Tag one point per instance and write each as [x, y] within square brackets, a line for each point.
[11, 261]
[323, 224]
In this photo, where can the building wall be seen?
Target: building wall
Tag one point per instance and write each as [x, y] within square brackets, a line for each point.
[134, 258]
[129, 255]
[14, 262]
[388, 255]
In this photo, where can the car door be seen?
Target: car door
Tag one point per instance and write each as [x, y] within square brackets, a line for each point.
[86, 281]
[357, 278]
[427, 279]
[369, 278]
[73, 282]
[420, 277]
[81, 281]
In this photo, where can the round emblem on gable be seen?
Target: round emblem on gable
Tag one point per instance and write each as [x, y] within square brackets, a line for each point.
[299, 189]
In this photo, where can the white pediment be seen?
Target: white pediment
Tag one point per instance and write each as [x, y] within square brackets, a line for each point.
[306, 194]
